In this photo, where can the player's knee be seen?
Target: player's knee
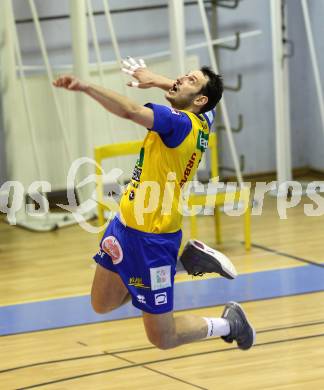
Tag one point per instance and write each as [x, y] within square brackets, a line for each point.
[161, 343]
[99, 307]
[161, 340]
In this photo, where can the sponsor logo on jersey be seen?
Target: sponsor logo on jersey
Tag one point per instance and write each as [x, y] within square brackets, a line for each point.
[137, 282]
[112, 247]
[101, 253]
[202, 142]
[141, 298]
[160, 277]
[188, 169]
[161, 298]
[131, 195]
[137, 173]
[138, 166]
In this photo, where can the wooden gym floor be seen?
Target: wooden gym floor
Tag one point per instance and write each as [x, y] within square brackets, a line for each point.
[51, 339]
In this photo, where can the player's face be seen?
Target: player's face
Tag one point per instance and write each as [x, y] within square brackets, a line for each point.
[186, 89]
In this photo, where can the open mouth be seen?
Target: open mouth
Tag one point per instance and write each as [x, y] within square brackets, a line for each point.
[174, 88]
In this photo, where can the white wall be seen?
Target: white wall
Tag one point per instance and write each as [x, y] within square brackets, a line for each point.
[306, 114]
[143, 33]
[2, 152]
[300, 88]
[255, 101]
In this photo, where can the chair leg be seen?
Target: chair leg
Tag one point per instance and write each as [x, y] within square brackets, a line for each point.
[101, 218]
[217, 221]
[247, 228]
[101, 221]
[193, 227]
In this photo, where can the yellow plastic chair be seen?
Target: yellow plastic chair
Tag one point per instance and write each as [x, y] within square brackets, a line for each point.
[217, 199]
[102, 153]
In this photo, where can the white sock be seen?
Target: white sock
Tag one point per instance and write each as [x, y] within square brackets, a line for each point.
[217, 327]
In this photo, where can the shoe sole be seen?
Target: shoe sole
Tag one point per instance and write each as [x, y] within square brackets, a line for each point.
[242, 313]
[225, 266]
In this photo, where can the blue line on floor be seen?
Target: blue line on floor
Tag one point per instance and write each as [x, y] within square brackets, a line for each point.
[194, 294]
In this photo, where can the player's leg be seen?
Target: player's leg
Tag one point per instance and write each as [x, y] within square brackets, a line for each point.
[108, 291]
[166, 331]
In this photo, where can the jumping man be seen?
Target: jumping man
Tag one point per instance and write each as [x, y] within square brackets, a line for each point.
[138, 253]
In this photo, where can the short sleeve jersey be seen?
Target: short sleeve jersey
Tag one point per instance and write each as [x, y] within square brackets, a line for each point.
[169, 158]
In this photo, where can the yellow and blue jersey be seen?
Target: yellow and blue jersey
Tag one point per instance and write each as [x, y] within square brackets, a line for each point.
[143, 251]
[169, 157]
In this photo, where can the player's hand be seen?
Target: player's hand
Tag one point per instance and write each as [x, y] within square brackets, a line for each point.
[138, 70]
[70, 83]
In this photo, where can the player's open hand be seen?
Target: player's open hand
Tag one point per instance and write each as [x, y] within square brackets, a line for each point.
[138, 70]
[70, 83]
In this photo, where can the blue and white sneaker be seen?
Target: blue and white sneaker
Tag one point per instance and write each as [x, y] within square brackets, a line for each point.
[198, 258]
[241, 329]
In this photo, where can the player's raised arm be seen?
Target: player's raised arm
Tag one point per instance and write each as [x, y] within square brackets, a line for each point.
[144, 77]
[115, 103]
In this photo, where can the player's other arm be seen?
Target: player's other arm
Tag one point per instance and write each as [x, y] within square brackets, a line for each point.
[144, 77]
[115, 103]
[148, 79]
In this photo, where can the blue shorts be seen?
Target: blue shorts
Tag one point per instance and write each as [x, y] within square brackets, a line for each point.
[146, 262]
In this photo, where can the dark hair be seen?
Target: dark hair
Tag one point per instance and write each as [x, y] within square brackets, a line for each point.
[213, 89]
